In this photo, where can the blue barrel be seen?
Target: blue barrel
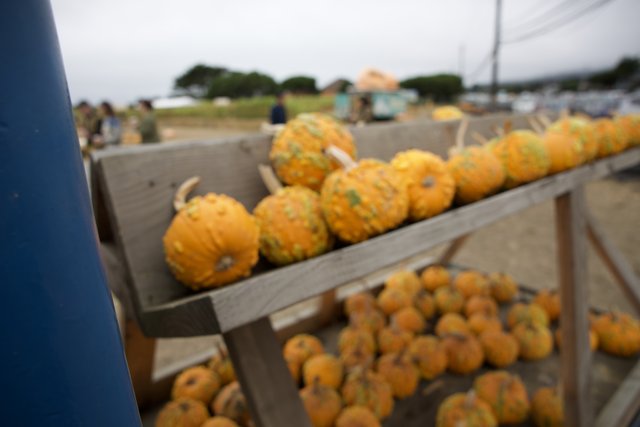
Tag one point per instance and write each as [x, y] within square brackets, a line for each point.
[61, 355]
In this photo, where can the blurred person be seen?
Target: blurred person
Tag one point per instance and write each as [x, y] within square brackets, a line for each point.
[278, 111]
[87, 121]
[110, 127]
[147, 125]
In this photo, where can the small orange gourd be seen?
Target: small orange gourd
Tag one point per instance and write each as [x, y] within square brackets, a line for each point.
[326, 369]
[547, 409]
[500, 348]
[429, 355]
[182, 412]
[367, 388]
[322, 403]
[357, 416]
[391, 300]
[198, 383]
[472, 283]
[535, 341]
[503, 288]
[449, 300]
[452, 323]
[464, 353]
[465, 409]
[231, 403]
[506, 394]
[400, 372]
[434, 277]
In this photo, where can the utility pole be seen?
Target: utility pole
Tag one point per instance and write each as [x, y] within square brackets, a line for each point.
[496, 51]
[461, 62]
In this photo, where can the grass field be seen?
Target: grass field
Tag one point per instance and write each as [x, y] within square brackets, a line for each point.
[251, 108]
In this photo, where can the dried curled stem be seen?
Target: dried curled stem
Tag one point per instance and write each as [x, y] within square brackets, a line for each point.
[341, 157]
[180, 198]
[459, 142]
[269, 178]
[479, 138]
[535, 125]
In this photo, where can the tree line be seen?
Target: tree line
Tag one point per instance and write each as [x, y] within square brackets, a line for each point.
[208, 82]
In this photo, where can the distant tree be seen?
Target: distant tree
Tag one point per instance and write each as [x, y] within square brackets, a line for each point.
[624, 70]
[570, 85]
[236, 85]
[197, 79]
[300, 84]
[440, 87]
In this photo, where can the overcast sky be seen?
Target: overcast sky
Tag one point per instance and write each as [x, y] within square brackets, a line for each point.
[125, 49]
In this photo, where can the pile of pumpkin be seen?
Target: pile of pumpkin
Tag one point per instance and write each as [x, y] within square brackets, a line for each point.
[385, 351]
[213, 240]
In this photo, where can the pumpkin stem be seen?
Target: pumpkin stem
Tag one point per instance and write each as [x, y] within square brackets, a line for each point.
[180, 198]
[224, 263]
[498, 130]
[537, 128]
[479, 138]
[428, 182]
[432, 387]
[507, 126]
[341, 157]
[269, 178]
[462, 130]
[470, 400]
[544, 119]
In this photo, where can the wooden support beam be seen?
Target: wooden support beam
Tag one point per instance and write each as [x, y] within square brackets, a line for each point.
[615, 262]
[264, 377]
[624, 404]
[453, 249]
[575, 358]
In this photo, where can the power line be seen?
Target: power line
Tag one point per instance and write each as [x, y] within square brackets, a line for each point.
[536, 20]
[552, 26]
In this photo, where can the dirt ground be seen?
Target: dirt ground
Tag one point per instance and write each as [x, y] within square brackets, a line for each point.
[524, 246]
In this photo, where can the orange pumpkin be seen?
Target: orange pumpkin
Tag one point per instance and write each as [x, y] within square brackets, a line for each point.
[503, 288]
[326, 369]
[297, 153]
[446, 112]
[364, 201]
[581, 129]
[434, 277]
[565, 151]
[409, 319]
[182, 412]
[219, 422]
[535, 341]
[351, 336]
[212, 241]
[462, 409]
[221, 364]
[452, 323]
[549, 300]
[368, 389]
[610, 138]
[470, 283]
[618, 334]
[425, 302]
[371, 319]
[405, 280]
[355, 357]
[359, 302]
[391, 300]
[357, 416]
[198, 383]
[449, 300]
[477, 173]
[231, 403]
[527, 313]
[400, 372]
[481, 322]
[500, 349]
[431, 187]
[393, 339]
[322, 403]
[506, 395]
[430, 356]
[464, 353]
[302, 347]
[547, 409]
[292, 227]
[524, 157]
[629, 125]
[480, 304]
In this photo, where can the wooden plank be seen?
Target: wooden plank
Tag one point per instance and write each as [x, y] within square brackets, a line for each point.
[264, 377]
[624, 404]
[453, 249]
[615, 262]
[263, 294]
[575, 357]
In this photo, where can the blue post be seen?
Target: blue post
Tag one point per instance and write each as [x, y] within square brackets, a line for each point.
[61, 356]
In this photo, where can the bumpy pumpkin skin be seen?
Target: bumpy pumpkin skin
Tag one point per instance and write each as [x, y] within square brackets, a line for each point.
[391, 300]
[355, 357]
[357, 416]
[535, 341]
[523, 156]
[462, 409]
[480, 304]
[583, 130]
[297, 152]
[371, 319]
[547, 409]
[302, 347]
[452, 323]
[369, 389]
[429, 355]
[322, 403]
[409, 319]
[434, 277]
[611, 139]
[219, 422]
[464, 353]
[447, 112]
[503, 288]
[565, 151]
[449, 300]
[482, 322]
[326, 369]
[629, 125]
[549, 300]
[211, 242]
[477, 172]
[393, 339]
[292, 227]
[364, 201]
[231, 403]
[359, 302]
[400, 372]
[618, 334]
[221, 364]
[351, 336]
[431, 187]
[506, 394]
[405, 280]
[426, 303]
[527, 313]
[183, 412]
[500, 349]
[471, 283]
[198, 383]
